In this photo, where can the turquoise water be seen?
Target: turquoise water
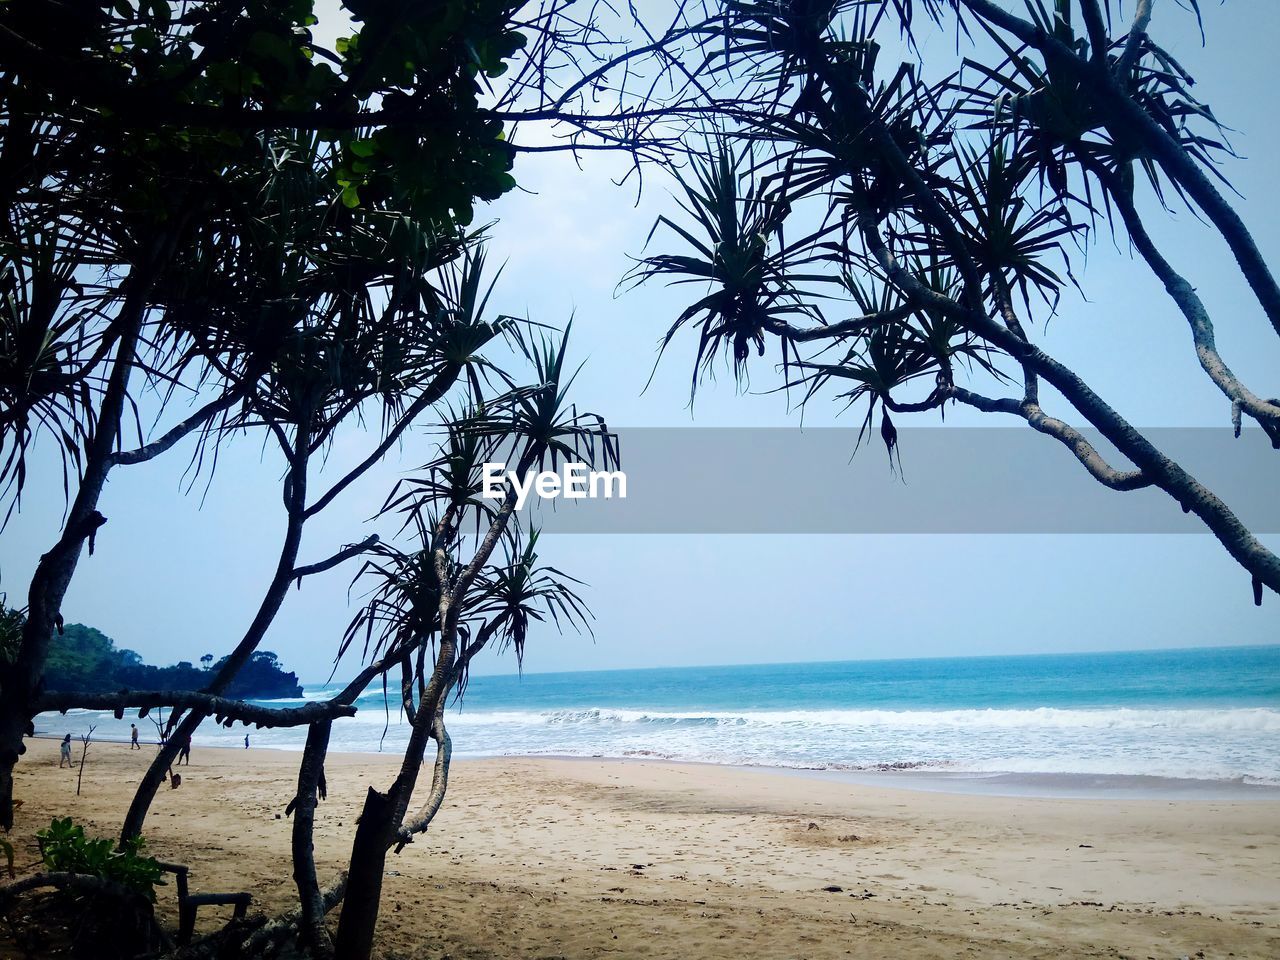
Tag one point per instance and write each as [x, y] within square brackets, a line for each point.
[1166, 679]
[1206, 714]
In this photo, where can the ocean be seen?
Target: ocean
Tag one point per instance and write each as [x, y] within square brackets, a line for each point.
[1210, 714]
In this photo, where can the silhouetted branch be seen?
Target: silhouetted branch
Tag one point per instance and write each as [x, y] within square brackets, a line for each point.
[346, 553]
[439, 782]
[175, 433]
[224, 709]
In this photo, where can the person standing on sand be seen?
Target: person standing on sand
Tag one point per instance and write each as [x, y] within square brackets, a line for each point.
[246, 741]
[185, 752]
[65, 752]
[133, 741]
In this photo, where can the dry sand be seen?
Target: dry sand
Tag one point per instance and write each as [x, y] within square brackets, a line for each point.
[534, 858]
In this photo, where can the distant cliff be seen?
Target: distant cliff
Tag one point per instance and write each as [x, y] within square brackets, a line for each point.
[83, 658]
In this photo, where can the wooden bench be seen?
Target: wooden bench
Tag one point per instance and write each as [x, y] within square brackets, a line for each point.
[189, 903]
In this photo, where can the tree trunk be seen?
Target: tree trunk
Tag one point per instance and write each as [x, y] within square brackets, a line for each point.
[296, 498]
[310, 789]
[364, 877]
[21, 681]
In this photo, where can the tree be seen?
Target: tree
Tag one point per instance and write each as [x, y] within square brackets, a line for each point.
[211, 200]
[941, 219]
[446, 594]
[206, 661]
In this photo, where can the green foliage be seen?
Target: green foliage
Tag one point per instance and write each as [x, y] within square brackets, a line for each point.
[264, 677]
[67, 850]
[224, 165]
[11, 624]
[525, 425]
[82, 658]
[198, 89]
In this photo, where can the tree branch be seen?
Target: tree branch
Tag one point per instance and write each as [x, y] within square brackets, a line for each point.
[346, 553]
[226, 710]
[1126, 120]
[437, 389]
[1188, 301]
[1133, 45]
[845, 328]
[1072, 439]
[439, 782]
[71, 881]
[176, 432]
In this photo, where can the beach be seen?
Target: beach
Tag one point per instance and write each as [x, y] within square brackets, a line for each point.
[547, 858]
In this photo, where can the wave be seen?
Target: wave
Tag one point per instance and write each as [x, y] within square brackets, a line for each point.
[1223, 744]
[1235, 720]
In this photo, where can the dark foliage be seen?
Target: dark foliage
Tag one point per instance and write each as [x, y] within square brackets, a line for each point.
[85, 659]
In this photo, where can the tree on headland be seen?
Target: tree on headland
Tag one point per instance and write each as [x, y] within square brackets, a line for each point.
[83, 659]
[901, 240]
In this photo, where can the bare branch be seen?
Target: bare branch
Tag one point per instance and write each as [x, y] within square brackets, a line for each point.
[346, 553]
[437, 389]
[1071, 438]
[1184, 295]
[1137, 33]
[224, 709]
[177, 432]
[439, 782]
[845, 328]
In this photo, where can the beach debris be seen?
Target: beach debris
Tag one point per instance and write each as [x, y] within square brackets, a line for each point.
[813, 826]
[833, 889]
[1086, 846]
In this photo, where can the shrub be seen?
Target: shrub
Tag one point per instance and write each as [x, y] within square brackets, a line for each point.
[66, 849]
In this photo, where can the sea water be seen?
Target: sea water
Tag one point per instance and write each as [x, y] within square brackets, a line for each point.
[1202, 714]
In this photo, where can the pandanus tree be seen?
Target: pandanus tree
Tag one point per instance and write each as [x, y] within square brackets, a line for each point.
[902, 232]
[431, 609]
[382, 342]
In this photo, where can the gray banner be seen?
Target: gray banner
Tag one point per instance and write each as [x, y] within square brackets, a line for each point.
[951, 480]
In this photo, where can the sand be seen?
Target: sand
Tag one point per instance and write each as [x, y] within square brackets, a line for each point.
[539, 858]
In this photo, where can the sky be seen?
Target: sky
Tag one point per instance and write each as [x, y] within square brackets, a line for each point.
[177, 574]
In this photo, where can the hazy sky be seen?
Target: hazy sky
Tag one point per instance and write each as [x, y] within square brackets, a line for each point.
[178, 575]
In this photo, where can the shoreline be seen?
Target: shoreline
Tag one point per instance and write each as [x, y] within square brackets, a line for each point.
[1045, 785]
[537, 858]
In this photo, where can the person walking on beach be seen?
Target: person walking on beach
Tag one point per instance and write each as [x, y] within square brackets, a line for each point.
[185, 752]
[246, 741]
[66, 752]
[133, 741]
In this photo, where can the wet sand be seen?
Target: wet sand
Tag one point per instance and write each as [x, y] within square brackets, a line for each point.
[538, 858]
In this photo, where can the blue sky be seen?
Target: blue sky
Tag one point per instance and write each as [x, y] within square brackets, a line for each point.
[177, 575]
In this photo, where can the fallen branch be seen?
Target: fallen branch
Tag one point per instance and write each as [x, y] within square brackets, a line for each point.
[81, 882]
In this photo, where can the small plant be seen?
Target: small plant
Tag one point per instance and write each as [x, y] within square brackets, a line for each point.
[66, 849]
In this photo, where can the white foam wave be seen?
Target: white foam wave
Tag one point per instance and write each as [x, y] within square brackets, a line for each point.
[1228, 744]
[1239, 720]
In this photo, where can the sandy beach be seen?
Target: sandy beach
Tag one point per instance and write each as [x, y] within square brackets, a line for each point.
[536, 858]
